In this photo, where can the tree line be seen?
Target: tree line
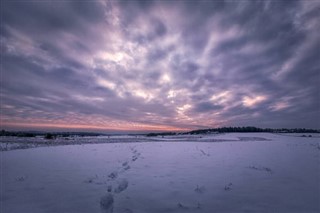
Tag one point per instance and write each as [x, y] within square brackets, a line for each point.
[238, 129]
[47, 135]
[252, 129]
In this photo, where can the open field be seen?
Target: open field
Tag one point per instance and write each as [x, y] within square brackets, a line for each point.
[236, 172]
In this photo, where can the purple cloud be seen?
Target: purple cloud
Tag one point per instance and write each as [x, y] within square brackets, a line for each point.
[152, 65]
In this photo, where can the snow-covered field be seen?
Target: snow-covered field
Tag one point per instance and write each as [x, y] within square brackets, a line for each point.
[236, 172]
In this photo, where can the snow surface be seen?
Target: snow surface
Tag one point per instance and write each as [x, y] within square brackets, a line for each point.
[238, 172]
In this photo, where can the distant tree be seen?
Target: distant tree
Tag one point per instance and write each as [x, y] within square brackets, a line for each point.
[3, 132]
[49, 136]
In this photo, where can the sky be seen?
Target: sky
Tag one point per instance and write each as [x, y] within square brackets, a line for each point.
[159, 65]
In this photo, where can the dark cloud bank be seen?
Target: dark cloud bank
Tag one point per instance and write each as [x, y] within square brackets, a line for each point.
[159, 65]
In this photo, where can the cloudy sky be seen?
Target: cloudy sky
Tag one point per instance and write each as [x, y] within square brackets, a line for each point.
[159, 65]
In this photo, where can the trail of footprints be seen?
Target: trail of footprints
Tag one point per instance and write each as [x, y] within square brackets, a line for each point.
[107, 200]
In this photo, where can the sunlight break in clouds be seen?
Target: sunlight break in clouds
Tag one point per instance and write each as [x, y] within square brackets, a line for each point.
[159, 65]
[253, 101]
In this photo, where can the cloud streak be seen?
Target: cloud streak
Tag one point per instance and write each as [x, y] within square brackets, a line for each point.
[151, 65]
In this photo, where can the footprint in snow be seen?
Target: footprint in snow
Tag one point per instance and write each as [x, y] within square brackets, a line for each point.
[200, 189]
[204, 153]
[122, 185]
[126, 167]
[91, 179]
[113, 175]
[128, 211]
[180, 206]
[266, 169]
[106, 203]
[184, 207]
[228, 187]
[21, 178]
[135, 157]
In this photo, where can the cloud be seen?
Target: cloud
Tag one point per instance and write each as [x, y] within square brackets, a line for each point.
[206, 106]
[143, 65]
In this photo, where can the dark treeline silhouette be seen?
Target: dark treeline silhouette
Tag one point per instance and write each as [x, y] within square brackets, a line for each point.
[153, 134]
[47, 135]
[54, 135]
[238, 129]
[252, 129]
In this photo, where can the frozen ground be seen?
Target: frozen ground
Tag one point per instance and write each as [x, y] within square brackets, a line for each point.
[240, 172]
